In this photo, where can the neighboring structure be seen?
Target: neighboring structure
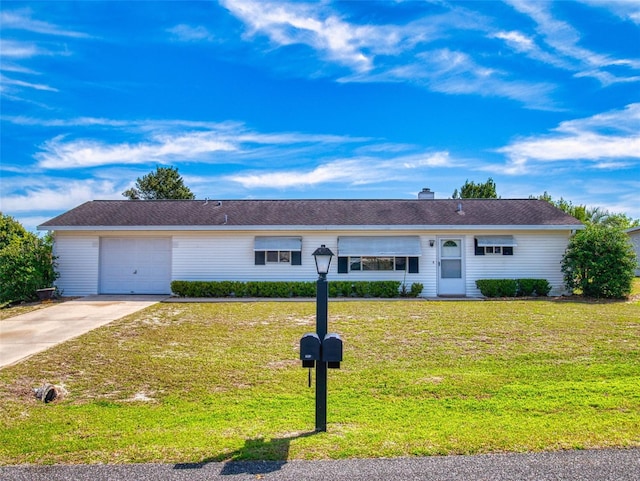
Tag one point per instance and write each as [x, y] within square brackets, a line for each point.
[634, 235]
[139, 247]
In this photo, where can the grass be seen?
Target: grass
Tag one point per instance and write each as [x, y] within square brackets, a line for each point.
[190, 383]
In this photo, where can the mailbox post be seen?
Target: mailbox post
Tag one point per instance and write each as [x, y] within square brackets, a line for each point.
[322, 349]
[322, 257]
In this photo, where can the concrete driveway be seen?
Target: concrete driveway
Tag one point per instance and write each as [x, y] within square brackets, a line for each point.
[25, 335]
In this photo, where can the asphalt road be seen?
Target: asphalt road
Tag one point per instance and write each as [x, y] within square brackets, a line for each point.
[596, 465]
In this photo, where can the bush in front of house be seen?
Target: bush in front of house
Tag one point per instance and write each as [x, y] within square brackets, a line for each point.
[533, 287]
[285, 289]
[27, 262]
[513, 287]
[599, 262]
[497, 287]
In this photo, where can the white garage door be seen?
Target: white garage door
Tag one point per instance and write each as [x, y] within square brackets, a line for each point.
[135, 266]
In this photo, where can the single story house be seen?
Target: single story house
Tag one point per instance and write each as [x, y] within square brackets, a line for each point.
[140, 246]
[634, 236]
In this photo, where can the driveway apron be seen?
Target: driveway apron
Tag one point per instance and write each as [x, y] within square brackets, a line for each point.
[27, 334]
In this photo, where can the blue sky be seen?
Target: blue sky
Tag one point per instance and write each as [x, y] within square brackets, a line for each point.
[257, 99]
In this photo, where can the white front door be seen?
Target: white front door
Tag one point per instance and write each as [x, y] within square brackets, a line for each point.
[451, 280]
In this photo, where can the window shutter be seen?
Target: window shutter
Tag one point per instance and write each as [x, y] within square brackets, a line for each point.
[507, 251]
[260, 258]
[414, 265]
[343, 265]
[479, 250]
[296, 258]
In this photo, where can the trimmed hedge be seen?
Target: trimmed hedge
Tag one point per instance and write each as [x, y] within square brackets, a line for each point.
[283, 289]
[513, 287]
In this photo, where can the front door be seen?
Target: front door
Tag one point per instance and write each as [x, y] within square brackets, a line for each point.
[451, 280]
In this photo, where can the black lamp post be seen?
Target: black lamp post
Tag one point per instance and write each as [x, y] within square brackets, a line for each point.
[323, 257]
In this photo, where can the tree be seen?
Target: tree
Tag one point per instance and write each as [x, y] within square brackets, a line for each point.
[10, 228]
[164, 183]
[471, 190]
[591, 215]
[26, 262]
[600, 262]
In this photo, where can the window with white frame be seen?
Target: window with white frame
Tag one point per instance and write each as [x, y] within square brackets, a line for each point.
[494, 245]
[277, 250]
[378, 253]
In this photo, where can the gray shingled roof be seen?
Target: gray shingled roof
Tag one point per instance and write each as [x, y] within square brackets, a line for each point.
[423, 212]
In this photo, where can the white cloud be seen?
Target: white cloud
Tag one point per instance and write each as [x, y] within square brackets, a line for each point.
[611, 137]
[353, 171]
[564, 41]
[21, 83]
[187, 33]
[310, 24]
[60, 154]
[58, 194]
[625, 9]
[455, 72]
[21, 20]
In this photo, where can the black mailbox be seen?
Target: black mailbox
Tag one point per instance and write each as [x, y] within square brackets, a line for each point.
[309, 349]
[332, 350]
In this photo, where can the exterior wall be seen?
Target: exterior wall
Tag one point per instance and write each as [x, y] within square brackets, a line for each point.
[209, 255]
[537, 255]
[230, 256]
[77, 259]
[635, 241]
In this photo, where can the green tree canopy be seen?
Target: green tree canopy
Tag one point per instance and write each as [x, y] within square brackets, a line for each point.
[599, 262]
[591, 215]
[164, 183]
[26, 262]
[471, 190]
[10, 228]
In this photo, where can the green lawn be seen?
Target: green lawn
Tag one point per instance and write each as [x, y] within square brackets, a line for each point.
[196, 382]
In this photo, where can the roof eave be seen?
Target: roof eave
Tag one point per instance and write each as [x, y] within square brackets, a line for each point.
[426, 227]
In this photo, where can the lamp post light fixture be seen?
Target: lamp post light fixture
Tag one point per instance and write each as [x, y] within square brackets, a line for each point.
[323, 256]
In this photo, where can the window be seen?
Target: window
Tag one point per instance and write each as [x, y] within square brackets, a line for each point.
[373, 263]
[278, 250]
[494, 245]
[378, 253]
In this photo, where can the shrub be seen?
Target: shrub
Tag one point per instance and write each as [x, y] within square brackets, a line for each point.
[416, 289]
[285, 289]
[497, 287]
[599, 262]
[26, 264]
[513, 287]
[530, 287]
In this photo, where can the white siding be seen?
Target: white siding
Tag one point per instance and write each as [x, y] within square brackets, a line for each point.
[77, 263]
[230, 256]
[537, 255]
[635, 241]
[202, 255]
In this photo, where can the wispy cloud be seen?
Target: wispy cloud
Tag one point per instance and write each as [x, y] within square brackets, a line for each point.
[168, 141]
[612, 137]
[4, 80]
[389, 52]
[57, 194]
[21, 20]
[312, 25]
[351, 171]
[563, 50]
[625, 9]
[187, 33]
[58, 153]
